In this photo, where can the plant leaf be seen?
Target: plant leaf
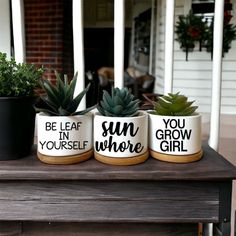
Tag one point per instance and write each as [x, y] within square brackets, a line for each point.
[76, 101]
[84, 111]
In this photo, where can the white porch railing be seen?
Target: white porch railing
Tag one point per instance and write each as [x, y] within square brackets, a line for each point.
[119, 27]
[78, 47]
[216, 75]
[18, 29]
[169, 46]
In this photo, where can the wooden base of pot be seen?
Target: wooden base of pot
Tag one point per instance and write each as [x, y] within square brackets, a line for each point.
[122, 161]
[177, 158]
[65, 160]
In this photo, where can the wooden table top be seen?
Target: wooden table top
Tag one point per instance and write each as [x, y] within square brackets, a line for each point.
[211, 167]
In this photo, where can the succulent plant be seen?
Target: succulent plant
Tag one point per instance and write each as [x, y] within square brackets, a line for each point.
[174, 105]
[59, 99]
[120, 103]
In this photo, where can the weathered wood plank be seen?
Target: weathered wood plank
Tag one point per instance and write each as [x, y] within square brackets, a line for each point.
[211, 167]
[74, 191]
[107, 201]
[111, 211]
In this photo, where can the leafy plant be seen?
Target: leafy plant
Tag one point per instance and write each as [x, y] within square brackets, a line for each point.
[60, 99]
[174, 105]
[18, 79]
[120, 103]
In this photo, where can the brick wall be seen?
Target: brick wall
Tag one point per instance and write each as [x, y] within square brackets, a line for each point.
[49, 35]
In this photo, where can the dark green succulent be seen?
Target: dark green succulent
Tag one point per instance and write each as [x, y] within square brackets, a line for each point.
[59, 99]
[120, 103]
[174, 105]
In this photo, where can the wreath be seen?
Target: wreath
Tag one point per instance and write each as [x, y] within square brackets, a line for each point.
[229, 34]
[189, 30]
[192, 29]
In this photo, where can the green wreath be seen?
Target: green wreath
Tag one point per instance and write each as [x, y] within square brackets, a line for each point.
[229, 34]
[189, 30]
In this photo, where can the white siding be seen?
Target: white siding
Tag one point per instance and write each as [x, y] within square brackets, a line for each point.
[193, 77]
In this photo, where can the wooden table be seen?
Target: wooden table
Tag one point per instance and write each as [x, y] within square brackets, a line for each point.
[153, 192]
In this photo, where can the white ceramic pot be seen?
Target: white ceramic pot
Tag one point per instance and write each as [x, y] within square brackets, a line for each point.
[175, 135]
[64, 135]
[121, 137]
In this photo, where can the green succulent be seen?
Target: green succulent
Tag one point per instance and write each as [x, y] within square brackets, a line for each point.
[174, 105]
[120, 103]
[59, 99]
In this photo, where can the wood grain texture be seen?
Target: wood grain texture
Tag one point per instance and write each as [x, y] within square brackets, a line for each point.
[212, 166]
[75, 191]
[114, 211]
[87, 201]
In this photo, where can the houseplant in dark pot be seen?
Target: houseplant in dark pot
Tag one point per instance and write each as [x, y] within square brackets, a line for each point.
[64, 134]
[175, 130]
[17, 116]
[120, 129]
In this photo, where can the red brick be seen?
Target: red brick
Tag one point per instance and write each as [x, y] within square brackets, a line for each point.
[44, 34]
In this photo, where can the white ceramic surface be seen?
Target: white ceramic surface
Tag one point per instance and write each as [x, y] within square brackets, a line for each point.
[175, 135]
[64, 135]
[121, 136]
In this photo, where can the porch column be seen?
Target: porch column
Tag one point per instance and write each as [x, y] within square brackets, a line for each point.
[119, 25]
[169, 46]
[78, 48]
[18, 30]
[216, 74]
[151, 38]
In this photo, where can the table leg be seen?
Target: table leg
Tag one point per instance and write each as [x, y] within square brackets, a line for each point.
[207, 229]
[224, 226]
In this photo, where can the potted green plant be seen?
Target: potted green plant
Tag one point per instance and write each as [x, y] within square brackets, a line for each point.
[17, 116]
[175, 129]
[64, 134]
[120, 129]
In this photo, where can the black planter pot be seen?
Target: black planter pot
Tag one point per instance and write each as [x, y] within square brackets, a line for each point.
[17, 120]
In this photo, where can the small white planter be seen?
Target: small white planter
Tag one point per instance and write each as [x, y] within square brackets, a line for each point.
[64, 139]
[175, 138]
[121, 140]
